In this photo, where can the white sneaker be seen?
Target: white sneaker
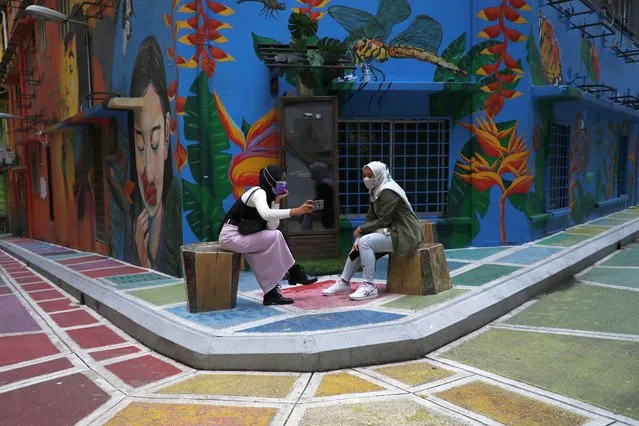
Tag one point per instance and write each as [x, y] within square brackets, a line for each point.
[365, 291]
[340, 287]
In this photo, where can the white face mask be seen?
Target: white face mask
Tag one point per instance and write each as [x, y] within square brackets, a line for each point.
[370, 183]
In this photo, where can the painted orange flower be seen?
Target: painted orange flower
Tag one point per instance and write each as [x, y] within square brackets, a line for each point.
[259, 147]
[511, 159]
[308, 10]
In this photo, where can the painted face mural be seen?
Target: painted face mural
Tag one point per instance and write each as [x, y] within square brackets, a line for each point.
[154, 216]
[69, 78]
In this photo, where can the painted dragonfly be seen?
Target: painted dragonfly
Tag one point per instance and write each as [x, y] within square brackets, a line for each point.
[367, 35]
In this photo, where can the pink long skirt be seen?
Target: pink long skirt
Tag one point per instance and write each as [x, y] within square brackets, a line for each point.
[266, 253]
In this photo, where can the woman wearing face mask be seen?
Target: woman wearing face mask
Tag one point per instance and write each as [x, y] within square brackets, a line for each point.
[390, 226]
[266, 250]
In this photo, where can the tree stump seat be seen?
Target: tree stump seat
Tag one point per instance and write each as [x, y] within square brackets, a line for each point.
[211, 276]
[420, 273]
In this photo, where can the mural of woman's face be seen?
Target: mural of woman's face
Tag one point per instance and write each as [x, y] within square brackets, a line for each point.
[151, 150]
[69, 80]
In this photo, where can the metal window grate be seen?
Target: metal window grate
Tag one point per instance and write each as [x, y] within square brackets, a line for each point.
[622, 183]
[417, 153]
[558, 167]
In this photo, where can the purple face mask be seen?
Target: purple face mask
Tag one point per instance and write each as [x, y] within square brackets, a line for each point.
[280, 187]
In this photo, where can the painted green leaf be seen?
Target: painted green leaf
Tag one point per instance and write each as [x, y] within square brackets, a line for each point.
[208, 161]
[458, 100]
[261, 40]
[246, 126]
[534, 62]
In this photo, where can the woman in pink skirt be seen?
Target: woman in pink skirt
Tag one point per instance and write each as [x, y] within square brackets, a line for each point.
[264, 246]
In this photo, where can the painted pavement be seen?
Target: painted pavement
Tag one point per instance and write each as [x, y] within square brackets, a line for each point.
[565, 358]
[472, 270]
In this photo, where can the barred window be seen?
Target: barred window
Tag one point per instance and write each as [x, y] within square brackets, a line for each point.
[417, 153]
[558, 168]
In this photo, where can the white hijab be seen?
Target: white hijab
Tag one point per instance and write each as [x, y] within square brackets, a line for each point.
[383, 180]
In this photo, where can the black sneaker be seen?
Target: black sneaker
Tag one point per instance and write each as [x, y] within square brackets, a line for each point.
[296, 275]
[274, 297]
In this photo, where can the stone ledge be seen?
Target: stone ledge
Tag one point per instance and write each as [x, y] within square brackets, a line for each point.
[401, 340]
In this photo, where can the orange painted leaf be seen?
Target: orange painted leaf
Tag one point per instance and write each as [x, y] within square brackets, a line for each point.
[170, 52]
[219, 8]
[208, 66]
[189, 39]
[129, 187]
[189, 7]
[490, 13]
[494, 49]
[482, 181]
[173, 124]
[520, 4]
[511, 63]
[513, 16]
[215, 24]
[175, 3]
[180, 102]
[168, 20]
[490, 32]
[511, 94]
[245, 168]
[486, 140]
[173, 90]
[220, 55]
[521, 185]
[233, 132]
[180, 156]
[494, 105]
[508, 78]
[314, 3]
[487, 69]
[513, 162]
[515, 35]
[216, 37]
[269, 120]
[490, 88]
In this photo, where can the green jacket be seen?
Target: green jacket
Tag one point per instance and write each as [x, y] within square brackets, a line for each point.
[390, 211]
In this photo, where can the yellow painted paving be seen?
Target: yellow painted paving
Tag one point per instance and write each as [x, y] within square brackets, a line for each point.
[508, 407]
[257, 385]
[415, 373]
[142, 413]
[344, 383]
[396, 412]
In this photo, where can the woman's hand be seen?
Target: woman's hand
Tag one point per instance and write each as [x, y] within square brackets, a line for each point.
[279, 198]
[357, 232]
[356, 244]
[305, 208]
[142, 238]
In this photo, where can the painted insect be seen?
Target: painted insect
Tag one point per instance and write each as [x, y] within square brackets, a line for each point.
[271, 7]
[367, 35]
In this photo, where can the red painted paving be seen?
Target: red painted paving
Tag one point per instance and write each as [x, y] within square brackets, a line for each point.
[36, 286]
[310, 297]
[112, 353]
[46, 295]
[73, 318]
[62, 401]
[143, 370]
[110, 272]
[26, 347]
[83, 259]
[57, 305]
[96, 265]
[94, 337]
[28, 279]
[34, 370]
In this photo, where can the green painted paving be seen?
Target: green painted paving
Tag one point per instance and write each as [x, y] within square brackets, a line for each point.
[165, 295]
[629, 256]
[584, 307]
[417, 303]
[473, 254]
[596, 371]
[623, 216]
[563, 240]
[613, 276]
[483, 274]
[587, 230]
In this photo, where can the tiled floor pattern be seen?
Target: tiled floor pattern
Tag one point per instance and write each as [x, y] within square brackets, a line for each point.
[471, 269]
[510, 372]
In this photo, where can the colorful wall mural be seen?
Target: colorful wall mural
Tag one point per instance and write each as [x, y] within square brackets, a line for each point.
[209, 119]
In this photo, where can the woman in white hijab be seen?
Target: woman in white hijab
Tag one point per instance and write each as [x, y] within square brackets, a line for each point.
[390, 226]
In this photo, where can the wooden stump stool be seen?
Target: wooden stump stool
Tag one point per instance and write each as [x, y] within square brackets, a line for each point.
[420, 273]
[429, 230]
[211, 276]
